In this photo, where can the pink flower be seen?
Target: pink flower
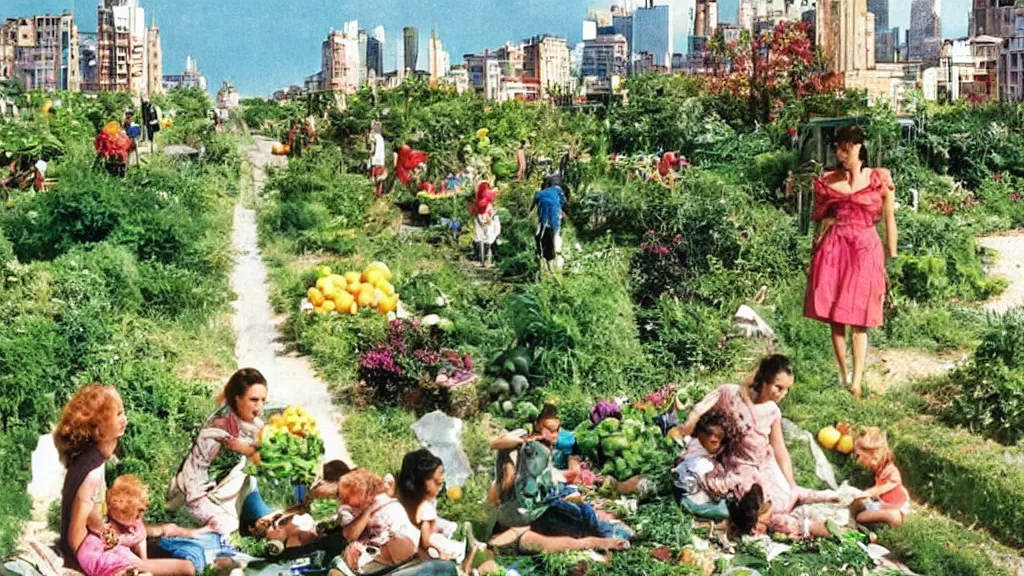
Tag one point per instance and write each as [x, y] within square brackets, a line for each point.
[678, 238]
[998, 177]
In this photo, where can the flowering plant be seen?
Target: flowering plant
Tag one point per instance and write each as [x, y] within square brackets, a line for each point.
[412, 355]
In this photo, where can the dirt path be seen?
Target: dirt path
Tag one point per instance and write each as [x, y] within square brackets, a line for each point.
[890, 367]
[1009, 264]
[292, 379]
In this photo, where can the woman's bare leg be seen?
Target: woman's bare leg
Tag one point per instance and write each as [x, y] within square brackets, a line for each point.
[860, 351]
[552, 544]
[167, 567]
[839, 347]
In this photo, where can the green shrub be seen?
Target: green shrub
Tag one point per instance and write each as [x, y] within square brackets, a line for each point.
[992, 383]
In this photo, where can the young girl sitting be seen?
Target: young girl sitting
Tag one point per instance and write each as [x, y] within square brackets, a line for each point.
[378, 529]
[887, 502]
[121, 547]
[419, 483]
[714, 431]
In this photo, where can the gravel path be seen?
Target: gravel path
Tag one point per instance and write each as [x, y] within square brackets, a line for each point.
[292, 379]
[1009, 264]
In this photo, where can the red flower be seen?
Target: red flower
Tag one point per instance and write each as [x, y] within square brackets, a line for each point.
[792, 132]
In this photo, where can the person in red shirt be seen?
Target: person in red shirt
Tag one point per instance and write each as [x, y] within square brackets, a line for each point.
[887, 502]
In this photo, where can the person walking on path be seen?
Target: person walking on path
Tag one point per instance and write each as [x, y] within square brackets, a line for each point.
[487, 226]
[378, 173]
[521, 161]
[846, 280]
[550, 204]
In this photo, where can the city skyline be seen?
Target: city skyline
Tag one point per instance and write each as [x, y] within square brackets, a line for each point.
[279, 44]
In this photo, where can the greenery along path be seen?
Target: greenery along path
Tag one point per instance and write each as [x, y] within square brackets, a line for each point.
[1009, 264]
[292, 380]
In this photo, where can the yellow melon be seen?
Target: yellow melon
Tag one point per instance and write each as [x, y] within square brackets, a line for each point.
[373, 276]
[322, 284]
[387, 304]
[354, 288]
[382, 267]
[353, 309]
[387, 288]
[365, 298]
[828, 437]
[338, 280]
[329, 306]
[352, 277]
[315, 296]
[344, 301]
[378, 295]
[845, 445]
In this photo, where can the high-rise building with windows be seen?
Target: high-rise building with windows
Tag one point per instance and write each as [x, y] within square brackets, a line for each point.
[375, 53]
[411, 44]
[652, 34]
[41, 51]
[925, 35]
[994, 18]
[880, 8]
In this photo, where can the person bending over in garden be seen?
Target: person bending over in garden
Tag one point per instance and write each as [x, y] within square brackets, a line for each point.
[887, 502]
[759, 455]
[86, 436]
[846, 280]
[210, 482]
[419, 483]
[550, 204]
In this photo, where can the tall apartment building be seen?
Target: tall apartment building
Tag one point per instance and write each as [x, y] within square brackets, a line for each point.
[845, 32]
[925, 36]
[1011, 61]
[375, 53]
[364, 43]
[546, 58]
[124, 48]
[41, 51]
[411, 43]
[761, 14]
[880, 8]
[994, 18]
[155, 77]
[512, 59]
[484, 72]
[340, 59]
[605, 56]
[652, 34]
[439, 62]
[87, 50]
[705, 18]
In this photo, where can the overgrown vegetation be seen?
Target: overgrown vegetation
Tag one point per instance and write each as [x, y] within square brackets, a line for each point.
[654, 274]
[121, 281]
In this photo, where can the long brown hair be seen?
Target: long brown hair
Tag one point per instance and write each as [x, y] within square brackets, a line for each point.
[767, 370]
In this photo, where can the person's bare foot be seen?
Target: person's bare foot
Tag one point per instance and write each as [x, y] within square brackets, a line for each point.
[608, 543]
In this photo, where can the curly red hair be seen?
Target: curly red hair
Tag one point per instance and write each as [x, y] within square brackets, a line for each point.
[361, 482]
[127, 497]
[83, 419]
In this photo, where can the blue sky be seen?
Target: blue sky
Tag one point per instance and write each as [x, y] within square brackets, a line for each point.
[262, 45]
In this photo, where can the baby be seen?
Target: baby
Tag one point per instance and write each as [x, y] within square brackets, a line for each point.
[715, 430]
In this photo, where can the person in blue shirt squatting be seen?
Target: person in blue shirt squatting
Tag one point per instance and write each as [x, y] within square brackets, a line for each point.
[550, 204]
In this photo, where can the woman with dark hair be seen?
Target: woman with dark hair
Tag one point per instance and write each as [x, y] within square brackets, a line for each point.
[211, 483]
[419, 483]
[846, 280]
[759, 455]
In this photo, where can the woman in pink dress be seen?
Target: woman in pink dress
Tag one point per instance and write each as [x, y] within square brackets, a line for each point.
[846, 281]
[761, 456]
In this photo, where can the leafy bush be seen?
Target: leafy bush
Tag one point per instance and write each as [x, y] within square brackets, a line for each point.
[993, 382]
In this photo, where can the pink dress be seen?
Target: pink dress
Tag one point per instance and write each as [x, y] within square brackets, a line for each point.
[96, 560]
[756, 464]
[847, 279]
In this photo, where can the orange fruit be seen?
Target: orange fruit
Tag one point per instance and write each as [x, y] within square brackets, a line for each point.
[455, 493]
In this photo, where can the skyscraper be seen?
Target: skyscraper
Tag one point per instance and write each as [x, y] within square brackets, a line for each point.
[375, 52]
[993, 18]
[652, 34]
[411, 36]
[438, 59]
[925, 35]
[880, 8]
